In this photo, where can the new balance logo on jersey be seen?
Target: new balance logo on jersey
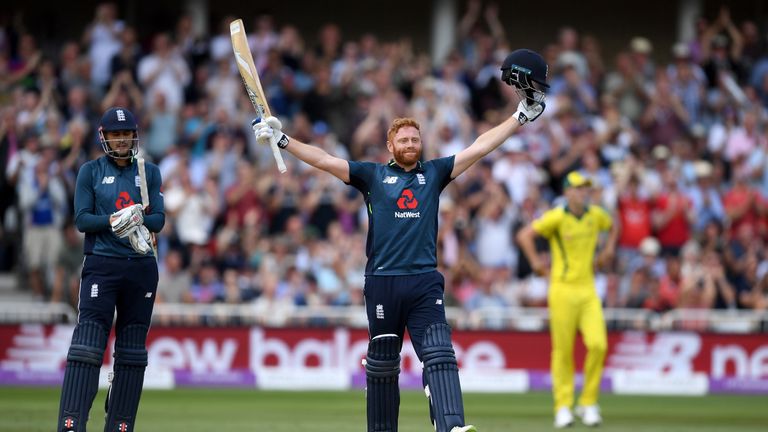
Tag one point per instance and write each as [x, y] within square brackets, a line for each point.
[390, 180]
[94, 290]
[120, 115]
[108, 180]
[148, 295]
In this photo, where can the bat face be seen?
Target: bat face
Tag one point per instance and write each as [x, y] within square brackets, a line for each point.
[250, 76]
[247, 68]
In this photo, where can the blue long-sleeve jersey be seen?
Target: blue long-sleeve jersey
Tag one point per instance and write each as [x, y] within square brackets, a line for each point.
[103, 187]
[402, 214]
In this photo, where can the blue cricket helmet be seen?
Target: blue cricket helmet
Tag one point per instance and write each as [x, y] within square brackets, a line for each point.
[118, 119]
[526, 70]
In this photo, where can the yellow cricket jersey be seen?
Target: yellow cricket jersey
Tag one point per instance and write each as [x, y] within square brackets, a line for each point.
[572, 242]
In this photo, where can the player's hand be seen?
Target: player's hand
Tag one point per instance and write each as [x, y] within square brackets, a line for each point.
[539, 268]
[526, 113]
[141, 240]
[604, 258]
[124, 221]
[268, 129]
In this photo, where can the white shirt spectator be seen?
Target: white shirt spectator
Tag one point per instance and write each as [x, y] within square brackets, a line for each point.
[105, 43]
[164, 71]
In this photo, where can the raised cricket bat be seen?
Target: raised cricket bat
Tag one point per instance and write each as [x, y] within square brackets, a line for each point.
[250, 76]
[145, 195]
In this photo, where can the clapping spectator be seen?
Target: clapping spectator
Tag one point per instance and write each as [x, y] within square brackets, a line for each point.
[164, 71]
[103, 36]
[43, 201]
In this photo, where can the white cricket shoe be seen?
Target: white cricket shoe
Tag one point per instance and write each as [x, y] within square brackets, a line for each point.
[467, 428]
[563, 418]
[590, 415]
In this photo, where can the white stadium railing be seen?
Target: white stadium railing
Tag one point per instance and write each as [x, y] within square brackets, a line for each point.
[36, 312]
[493, 318]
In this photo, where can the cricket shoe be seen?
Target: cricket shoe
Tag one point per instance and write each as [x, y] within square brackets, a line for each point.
[467, 428]
[590, 415]
[563, 418]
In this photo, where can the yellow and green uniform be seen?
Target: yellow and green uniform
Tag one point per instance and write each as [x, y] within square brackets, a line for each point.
[573, 301]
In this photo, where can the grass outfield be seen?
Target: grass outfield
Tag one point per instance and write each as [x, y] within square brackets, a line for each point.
[33, 410]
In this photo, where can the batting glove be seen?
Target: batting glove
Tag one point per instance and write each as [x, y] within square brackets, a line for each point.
[267, 129]
[124, 221]
[141, 240]
[526, 113]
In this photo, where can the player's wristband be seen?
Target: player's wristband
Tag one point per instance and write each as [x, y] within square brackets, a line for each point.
[283, 141]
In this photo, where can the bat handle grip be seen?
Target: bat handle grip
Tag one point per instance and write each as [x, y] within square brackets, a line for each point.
[276, 153]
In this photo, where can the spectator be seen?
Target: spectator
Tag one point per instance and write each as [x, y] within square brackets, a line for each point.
[175, 280]
[206, 285]
[635, 218]
[104, 38]
[164, 71]
[66, 280]
[42, 200]
[705, 198]
[672, 216]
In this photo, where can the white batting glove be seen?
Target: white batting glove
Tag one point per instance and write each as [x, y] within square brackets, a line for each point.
[141, 240]
[126, 220]
[526, 113]
[267, 129]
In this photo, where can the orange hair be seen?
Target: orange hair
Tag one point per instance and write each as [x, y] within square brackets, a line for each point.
[401, 123]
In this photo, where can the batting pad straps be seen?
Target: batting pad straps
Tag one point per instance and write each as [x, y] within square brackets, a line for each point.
[131, 346]
[441, 374]
[88, 343]
[382, 370]
[131, 357]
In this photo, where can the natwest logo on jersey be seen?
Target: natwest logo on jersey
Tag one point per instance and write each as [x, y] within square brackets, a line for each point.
[407, 201]
[123, 200]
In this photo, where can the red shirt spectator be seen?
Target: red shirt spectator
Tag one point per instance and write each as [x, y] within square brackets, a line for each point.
[635, 216]
[671, 216]
[741, 205]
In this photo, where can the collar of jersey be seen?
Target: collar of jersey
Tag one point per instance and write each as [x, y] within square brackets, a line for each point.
[418, 168]
[568, 210]
[114, 162]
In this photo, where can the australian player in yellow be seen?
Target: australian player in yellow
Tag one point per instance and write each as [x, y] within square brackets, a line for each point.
[573, 232]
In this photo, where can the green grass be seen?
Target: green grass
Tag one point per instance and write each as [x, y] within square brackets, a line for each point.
[33, 410]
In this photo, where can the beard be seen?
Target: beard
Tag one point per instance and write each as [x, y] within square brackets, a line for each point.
[406, 157]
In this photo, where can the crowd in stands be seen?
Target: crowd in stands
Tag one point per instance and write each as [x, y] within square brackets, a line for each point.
[677, 153]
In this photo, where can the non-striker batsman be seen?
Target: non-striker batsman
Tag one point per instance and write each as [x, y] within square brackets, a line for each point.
[403, 288]
[119, 275]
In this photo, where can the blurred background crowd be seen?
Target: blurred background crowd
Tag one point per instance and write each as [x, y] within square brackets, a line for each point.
[676, 150]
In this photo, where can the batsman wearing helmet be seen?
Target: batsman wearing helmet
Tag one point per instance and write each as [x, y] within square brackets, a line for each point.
[403, 288]
[573, 232]
[119, 275]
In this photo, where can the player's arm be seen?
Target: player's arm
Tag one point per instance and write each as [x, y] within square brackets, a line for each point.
[545, 226]
[317, 157]
[85, 219]
[493, 138]
[609, 248]
[526, 238]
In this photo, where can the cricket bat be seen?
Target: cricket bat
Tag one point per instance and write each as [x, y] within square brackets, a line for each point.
[250, 76]
[145, 195]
